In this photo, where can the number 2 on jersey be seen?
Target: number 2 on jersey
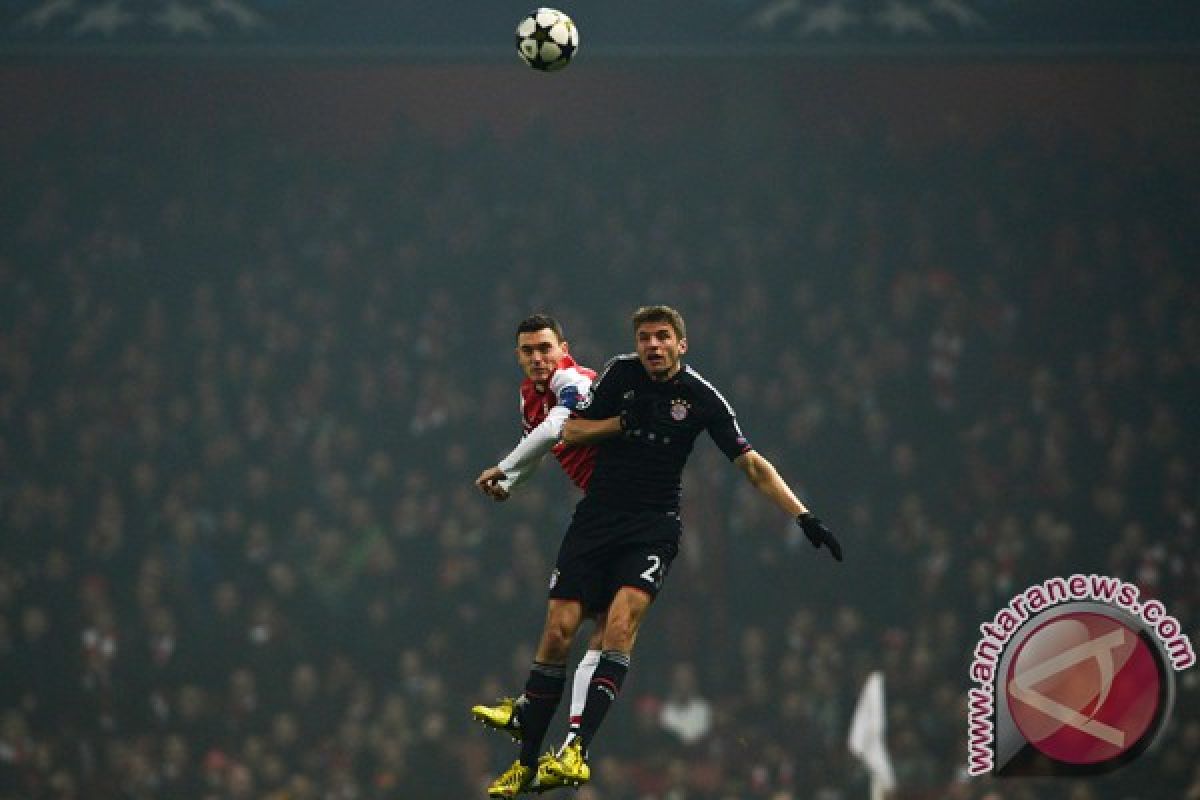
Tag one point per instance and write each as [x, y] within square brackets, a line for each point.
[655, 567]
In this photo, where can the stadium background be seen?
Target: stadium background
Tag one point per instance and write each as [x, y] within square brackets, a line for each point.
[256, 310]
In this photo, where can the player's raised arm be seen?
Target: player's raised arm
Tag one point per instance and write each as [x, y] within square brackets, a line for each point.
[764, 477]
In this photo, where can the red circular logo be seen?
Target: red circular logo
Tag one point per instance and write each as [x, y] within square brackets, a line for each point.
[1083, 688]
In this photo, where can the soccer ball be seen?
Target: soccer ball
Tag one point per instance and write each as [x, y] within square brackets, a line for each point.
[547, 39]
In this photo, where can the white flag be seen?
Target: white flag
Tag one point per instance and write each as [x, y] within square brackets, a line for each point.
[868, 738]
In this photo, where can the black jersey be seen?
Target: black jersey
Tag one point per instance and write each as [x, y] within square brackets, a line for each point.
[644, 472]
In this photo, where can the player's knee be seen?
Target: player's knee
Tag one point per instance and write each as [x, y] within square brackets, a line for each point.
[556, 644]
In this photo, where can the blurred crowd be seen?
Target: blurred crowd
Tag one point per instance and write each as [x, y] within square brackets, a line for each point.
[245, 388]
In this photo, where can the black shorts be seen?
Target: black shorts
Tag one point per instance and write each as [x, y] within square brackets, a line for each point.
[605, 549]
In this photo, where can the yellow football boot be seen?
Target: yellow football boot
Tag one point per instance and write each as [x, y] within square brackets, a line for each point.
[513, 781]
[502, 716]
[570, 765]
[544, 781]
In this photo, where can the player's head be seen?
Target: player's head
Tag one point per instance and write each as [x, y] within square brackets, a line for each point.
[661, 338]
[540, 346]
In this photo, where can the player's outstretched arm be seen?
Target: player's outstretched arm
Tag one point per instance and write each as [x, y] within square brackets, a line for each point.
[629, 423]
[568, 386]
[536, 444]
[498, 484]
[763, 475]
[499, 481]
[579, 431]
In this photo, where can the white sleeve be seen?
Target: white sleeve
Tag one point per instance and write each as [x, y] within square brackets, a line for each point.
[516, 476]
[537, 442]
[570, 386]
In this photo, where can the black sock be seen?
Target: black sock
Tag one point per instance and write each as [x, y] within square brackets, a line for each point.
[542, 692]
[603, 690]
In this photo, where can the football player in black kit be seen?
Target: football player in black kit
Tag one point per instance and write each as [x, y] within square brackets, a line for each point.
[645, 411]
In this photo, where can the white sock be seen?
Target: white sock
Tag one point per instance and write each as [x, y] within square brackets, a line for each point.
[579, 691]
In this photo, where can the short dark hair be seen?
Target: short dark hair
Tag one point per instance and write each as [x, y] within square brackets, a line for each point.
[660, 314]
[540, 322]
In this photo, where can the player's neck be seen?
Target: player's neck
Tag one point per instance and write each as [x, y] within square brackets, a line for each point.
[663, 377]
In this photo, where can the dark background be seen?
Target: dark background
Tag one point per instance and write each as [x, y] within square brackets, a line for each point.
[256, 320]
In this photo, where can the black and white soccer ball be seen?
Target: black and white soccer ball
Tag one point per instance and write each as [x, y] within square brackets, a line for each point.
[547, 39]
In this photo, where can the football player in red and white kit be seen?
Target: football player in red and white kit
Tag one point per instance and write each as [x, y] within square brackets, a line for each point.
[553, 385]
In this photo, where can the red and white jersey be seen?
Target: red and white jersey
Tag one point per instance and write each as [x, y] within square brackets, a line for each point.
[543, 414]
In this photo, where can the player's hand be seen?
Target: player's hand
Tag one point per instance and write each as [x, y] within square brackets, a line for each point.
[818, 534]
[489, 483]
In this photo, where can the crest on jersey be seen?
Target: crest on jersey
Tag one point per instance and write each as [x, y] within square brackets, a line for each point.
[679, 409]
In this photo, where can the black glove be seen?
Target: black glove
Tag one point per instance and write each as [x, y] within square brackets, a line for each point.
[818, 534]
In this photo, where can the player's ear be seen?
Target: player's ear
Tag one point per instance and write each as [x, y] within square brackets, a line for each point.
[565, 347]
[682, 346]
